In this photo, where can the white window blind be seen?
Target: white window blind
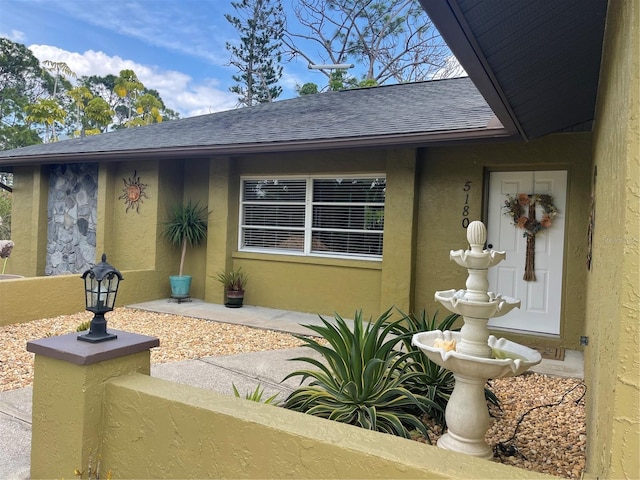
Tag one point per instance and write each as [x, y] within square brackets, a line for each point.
[314, 216]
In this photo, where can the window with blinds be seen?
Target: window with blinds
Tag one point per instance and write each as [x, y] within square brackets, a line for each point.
[314, 216]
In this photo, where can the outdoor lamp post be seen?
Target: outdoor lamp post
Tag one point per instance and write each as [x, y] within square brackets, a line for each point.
[100, 289]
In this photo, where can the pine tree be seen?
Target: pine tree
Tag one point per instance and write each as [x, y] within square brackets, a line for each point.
[260, 24]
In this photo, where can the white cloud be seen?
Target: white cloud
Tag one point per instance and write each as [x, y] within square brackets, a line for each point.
[177, 89]
[199, 21]
[14, 35]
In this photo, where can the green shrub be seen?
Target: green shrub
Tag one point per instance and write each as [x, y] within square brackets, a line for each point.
[83, 326]
[256, 395]
[362, 380]
[433, 381]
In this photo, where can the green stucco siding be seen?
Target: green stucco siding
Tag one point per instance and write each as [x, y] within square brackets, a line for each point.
[131, 232]
[196, 190]
[612, 363]
[445, 171]
[29, 221]
[308, 284]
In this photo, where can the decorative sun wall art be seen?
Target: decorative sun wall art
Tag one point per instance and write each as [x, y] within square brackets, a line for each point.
[133, 192]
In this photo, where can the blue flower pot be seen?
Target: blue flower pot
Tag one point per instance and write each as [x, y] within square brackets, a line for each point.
[180, 285]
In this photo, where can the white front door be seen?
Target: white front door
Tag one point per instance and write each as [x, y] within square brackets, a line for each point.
[540, 299]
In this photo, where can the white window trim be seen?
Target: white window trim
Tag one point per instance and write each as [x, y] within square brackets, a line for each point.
[308, 218]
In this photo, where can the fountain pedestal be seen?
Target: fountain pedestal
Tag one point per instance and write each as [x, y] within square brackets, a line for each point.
[477, 356]
[467, 414]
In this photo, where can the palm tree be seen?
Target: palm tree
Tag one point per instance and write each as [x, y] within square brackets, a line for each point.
[128, 86]
[79, 95]
[47, 112]
[59, 69]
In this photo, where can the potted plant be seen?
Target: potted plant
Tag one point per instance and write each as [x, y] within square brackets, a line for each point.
[234, 283]
[186, 224]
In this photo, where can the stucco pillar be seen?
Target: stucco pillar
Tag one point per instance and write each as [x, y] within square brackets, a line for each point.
[222, 231]
[29, 226]
[399, 231]
[105, 208]
[68, 390]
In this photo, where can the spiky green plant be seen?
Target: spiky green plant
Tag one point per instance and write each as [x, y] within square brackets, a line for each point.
[361, 378]
[433, 381]
[83, 326]
[186, 224]
[256, 396]
[234, 280]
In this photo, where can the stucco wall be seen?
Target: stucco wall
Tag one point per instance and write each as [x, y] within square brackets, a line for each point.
[28, 299]
[310, 284]
[157, 429]
[29, 221]
[221, 236]
[32, 298]
[130, 234]
[422, 224]
[130, 239]
[443, 175]
[612, 362]
[196, 181]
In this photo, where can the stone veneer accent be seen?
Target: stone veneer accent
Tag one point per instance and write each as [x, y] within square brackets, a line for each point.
[72, 204]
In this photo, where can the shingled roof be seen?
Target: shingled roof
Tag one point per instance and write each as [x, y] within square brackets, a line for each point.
[412, 113]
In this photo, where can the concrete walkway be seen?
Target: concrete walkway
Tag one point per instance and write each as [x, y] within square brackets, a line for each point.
[245, 371]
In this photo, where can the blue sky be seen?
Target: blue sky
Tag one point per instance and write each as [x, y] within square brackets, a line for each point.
[175, 46]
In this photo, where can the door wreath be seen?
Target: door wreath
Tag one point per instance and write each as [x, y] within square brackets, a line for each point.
[522, 210]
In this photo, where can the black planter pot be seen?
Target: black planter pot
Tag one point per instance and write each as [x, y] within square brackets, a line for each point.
[233, 298]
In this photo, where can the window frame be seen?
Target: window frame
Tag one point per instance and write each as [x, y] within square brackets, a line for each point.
[308, 228]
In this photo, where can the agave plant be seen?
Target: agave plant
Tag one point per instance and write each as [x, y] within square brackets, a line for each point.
[361, 380]
[433, 381]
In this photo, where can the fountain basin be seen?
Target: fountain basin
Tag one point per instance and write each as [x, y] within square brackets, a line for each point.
[516, 358]
[497, 306]
[477, 260]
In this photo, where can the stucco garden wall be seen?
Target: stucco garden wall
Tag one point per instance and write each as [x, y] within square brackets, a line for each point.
[445, 171]
[100, 407]
[32, 298]
[612, 363]
[156, 429]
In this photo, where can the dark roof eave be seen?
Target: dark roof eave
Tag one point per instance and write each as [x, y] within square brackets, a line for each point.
[451, 24]
[415, 139]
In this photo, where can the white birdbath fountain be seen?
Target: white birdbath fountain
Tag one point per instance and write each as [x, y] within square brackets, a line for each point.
[472, 354]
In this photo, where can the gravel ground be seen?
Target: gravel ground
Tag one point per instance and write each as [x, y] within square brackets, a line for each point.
[541, 426]
[181, 338]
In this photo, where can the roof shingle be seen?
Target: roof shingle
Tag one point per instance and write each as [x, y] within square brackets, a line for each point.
[378, 112]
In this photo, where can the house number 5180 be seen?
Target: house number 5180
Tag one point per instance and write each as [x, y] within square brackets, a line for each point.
[465, 208]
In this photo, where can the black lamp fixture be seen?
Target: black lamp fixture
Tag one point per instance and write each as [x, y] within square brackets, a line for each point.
[100, 288]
